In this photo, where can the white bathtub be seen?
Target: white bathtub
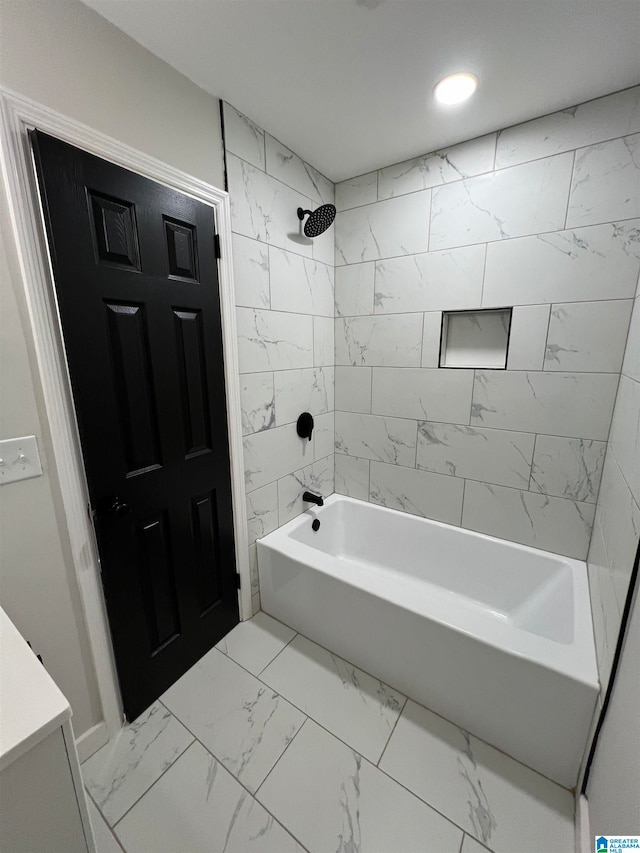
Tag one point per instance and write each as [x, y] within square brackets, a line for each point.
[496, 637]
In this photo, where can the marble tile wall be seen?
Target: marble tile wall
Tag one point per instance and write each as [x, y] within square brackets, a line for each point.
[616, 529]
[285, 313]
[544, 218]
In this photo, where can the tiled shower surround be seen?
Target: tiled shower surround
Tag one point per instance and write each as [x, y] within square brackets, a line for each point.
[543, 217]
[285, 296]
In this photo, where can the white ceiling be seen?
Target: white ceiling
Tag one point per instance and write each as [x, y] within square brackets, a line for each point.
[347, 83]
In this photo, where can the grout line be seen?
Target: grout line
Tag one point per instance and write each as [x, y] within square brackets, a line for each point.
[570, 190]
[464, 490]
[235, 778]
[484, 274]
[89, 795]
[166, 769]
[286, 645]
[532, 235]
[306, 720]
[394, 727]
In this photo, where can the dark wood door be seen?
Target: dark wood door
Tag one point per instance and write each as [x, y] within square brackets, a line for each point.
[136, 279]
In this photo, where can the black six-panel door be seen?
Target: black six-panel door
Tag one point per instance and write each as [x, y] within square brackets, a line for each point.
[136, 279]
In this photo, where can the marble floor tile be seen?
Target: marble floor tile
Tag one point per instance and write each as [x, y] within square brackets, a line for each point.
[104, 838]
[117, 775]
[244, 724]
[197, 806]
[254, 643]
[498, 801]
[332, 799]
[353, 705]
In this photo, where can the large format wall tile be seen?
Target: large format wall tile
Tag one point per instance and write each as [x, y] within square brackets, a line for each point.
[354, 289]
[624, 440]
[251, 272]
[273, 340]
[492, 455]
[324, 435]
[323, 341]
[605, 610]
[398, 226]
[527, 337]
[439, 167]
[262, 511]
[287, 167]
[510, 203]
[264, 208]
[353, 389]
[596, 121]
[570, 404]
[352, 477]
[298, 391]
[370, 437]
[317, 478]
[588, 336]
[391, 340]
[273, 453]
[417, 492]
[434, 281]
[243, 137]
[567, 467]
[300, 284]
[606, 182]
[619, 522]
[357, 191]
[257, 400]
[631, 364]
[553, 524]
[597, 262]
[438, 395]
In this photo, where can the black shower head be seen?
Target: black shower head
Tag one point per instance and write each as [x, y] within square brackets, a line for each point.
[319, 220]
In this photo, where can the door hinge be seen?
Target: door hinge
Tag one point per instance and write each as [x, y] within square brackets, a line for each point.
[216, 243]
[238, 582]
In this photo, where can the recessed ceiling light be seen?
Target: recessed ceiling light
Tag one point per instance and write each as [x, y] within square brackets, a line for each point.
[456, 88]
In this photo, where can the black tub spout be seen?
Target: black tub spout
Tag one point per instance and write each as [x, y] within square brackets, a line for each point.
[314, 499]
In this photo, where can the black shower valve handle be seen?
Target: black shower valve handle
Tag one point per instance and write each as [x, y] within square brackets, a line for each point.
[304, 425]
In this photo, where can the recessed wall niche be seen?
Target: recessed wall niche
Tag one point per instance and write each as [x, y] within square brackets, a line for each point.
[475, 338]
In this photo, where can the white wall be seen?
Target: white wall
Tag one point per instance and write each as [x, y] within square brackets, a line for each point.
[65, 56]
[544, 217]
[68, 58]
[285, 298]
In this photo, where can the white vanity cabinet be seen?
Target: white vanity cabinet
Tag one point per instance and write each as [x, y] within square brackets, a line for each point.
[42, 802]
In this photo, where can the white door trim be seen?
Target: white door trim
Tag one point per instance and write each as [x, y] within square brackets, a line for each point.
[17, 116]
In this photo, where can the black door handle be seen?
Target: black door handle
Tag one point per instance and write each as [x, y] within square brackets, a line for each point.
[119, 507]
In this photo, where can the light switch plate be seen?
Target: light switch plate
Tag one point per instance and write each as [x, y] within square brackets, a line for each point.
[19, 459]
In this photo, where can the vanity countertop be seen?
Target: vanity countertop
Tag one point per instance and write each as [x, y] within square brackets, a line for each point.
[31, 705]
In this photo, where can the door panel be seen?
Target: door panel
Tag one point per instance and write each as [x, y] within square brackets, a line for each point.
[137, 287]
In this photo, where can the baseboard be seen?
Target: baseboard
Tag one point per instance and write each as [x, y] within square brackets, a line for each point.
[583, 829]
[91, 741]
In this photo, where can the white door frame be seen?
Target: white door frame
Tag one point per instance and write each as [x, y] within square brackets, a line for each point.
[17, 116]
